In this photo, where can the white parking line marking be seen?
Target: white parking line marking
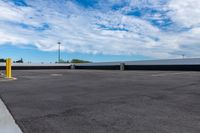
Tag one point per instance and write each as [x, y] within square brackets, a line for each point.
[7, 123]
[56, 75]
[167, 74]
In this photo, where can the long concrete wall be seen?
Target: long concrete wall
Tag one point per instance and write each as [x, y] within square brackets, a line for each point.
[26, 66]
[170, 64]
[144, 67]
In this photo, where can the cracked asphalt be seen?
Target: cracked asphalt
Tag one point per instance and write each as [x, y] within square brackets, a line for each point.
[83, 101]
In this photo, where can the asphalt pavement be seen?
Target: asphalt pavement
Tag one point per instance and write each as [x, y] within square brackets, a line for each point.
[91, 101]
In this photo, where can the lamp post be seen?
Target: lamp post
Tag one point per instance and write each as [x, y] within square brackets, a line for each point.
[183, 55]
[59, 43]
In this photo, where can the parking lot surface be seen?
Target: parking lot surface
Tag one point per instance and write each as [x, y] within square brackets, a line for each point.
[75, 101]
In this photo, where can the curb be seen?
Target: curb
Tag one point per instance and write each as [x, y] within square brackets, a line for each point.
[7, 122]
[3, 79]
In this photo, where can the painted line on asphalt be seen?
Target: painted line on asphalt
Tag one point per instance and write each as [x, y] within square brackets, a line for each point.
[7, 123]
[56, 75]
[168, 74]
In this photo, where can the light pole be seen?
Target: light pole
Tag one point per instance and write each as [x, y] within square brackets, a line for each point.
[183, 55]
[59, 43]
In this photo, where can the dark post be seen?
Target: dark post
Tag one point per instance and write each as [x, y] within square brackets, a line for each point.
[59, 43]
[122, 66]
[73, 66]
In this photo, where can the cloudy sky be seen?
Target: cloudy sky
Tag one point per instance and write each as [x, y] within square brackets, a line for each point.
[99, 30]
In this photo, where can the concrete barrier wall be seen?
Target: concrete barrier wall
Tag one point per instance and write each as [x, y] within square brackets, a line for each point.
[192, 64]
[164, 67]
[171, 65]
[144, 67]
[36, 66]
[113, 67]
[39, 67]
[101, 67]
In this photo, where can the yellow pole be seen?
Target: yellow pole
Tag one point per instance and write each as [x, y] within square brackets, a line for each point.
[9, 68]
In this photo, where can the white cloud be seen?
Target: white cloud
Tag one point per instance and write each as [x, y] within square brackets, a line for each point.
[7, 12]
[93, 30]
[185, 12]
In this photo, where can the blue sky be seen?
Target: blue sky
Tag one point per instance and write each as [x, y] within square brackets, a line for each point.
[99, 30]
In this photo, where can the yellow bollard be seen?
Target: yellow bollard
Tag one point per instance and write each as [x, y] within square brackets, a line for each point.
[9, 68]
